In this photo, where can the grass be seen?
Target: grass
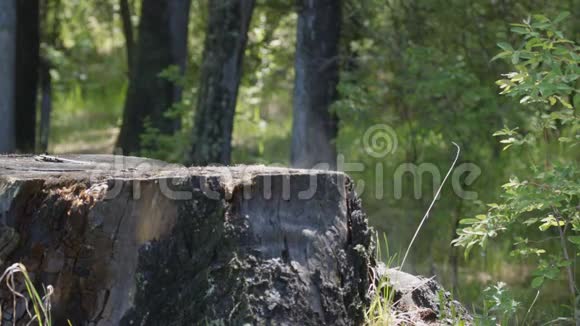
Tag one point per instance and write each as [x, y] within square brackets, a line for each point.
[381, 310]
[87, 113]
[41, 305]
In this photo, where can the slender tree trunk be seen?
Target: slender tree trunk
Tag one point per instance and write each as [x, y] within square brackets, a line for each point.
[7, 74]
[150, 96]
[27, 64]
[125, 14]
[45, 107]
[179, 18]
[50, 35]
[221, 72]
[317, 47]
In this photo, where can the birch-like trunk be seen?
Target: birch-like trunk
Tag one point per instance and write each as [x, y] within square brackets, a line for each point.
[314, 127]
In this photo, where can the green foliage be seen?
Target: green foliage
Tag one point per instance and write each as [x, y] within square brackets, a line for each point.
[499, 307]
[171, 148]
[83, 43]
[381, 310]
[539, 209]
[262, 122]
[546, 63]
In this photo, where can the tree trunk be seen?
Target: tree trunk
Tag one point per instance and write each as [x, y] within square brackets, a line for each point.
[7, 75]
[314, 127]
[150, 96]
[130, 241]
[221, 72]
[27, 70]
[125, 15]
[179, 18]
[45, 107]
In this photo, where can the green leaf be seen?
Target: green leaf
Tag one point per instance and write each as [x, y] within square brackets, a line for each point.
[537, 282]
[505, 46]
[565, 140]
[575, 239]
[561, 17]
[531, 221]
[564, 102]
[520, 30]
[516, 58]
[468, 221]
[501, 55]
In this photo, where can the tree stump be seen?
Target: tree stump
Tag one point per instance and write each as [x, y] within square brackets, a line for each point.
[131, 241]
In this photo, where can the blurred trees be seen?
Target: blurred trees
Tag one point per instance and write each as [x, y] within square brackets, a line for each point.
[7, 70]
[149, 96]
[314, 127]
[221, 71]
[50, 42]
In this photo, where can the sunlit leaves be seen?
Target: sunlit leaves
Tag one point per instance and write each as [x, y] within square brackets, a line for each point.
[552, 58]
[546, 73]
[549, 222]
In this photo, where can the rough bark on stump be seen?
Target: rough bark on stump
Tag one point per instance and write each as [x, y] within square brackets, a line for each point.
[422, 301]
[142, 243]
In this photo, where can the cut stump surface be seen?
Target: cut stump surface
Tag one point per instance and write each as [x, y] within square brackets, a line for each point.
[132, 241]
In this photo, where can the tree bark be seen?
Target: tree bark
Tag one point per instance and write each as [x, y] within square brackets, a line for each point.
[179, 18]
[125, 15]
[221, 72]
[7, 75]
[421, 300]
[314, 127]
[150, 96]
[130, 241]
[27, 71]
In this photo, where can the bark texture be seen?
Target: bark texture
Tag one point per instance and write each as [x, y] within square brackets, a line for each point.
[149, 244]
[125, 15]
[423, 301]
[221, 71]
[150, 96]
[179, 21]
[314, 127]
[27, 71]
[7, 74]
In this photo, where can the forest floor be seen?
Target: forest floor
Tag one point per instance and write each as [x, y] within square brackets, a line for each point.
[97, 141]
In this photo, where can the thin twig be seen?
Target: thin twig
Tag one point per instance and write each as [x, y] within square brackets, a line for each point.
[531, 306]
[571, 281]
[431, 206]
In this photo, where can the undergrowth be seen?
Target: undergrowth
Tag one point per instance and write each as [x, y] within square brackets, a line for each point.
[41, 306]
